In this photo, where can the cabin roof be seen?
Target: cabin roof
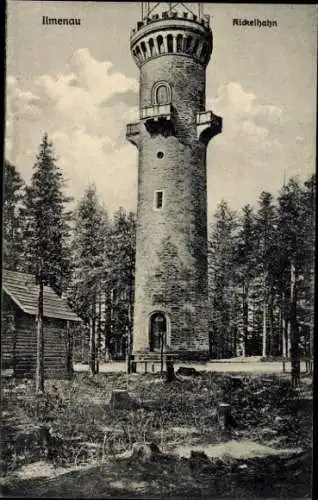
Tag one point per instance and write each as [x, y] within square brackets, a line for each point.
[21, 288]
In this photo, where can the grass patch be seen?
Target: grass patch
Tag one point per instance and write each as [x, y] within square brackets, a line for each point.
[72, 424]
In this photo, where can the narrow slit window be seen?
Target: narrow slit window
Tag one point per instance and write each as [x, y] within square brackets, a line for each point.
[158, 200]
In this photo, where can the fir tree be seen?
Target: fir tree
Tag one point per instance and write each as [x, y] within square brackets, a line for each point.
[90, 266]
[245, 263]
[122, 278]
[222, 291]
[266, 235]
[45, 235]
[292, 231]
[12, 221]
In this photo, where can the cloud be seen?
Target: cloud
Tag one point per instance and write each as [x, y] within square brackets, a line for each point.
[98, 78]
[248, 156]
[85, 112]
[242, 115]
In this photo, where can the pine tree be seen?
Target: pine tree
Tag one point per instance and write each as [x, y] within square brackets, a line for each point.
[266, 236]
[245, 263]
[223, 296]
[46, 231]
[45, 235]
[292, 230]
[90, 266]
[307, 281]
[122, 278]
[12, 221]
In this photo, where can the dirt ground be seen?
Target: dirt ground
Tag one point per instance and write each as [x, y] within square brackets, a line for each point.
[266, 452]
[248, 365]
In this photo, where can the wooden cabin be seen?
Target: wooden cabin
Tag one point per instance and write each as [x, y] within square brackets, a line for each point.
[19, 327]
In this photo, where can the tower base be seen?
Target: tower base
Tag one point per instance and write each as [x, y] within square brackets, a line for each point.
[176, 356]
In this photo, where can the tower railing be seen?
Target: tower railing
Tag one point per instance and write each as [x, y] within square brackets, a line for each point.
[156, 110]
[204, 19]
[132, 129]
[204, 117]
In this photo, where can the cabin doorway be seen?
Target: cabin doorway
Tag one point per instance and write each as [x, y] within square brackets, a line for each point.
[157, 332]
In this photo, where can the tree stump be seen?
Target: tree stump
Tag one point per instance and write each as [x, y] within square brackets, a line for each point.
[122, 400]
[170, 377]
[199, 460]
[145, 452]
[236, 383]
[187, 371]
[225, 418]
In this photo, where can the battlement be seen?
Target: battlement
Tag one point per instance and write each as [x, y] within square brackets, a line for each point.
[172, 34]
[203, 20]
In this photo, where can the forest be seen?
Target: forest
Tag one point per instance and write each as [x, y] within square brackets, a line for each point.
[260, 263]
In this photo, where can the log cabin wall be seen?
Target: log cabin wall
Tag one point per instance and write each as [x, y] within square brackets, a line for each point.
[55, 347]
[18, 342]
[8, 311]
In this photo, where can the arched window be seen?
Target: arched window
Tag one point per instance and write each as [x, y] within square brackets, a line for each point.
[138, 53]
[204, 52]
[160, 44]
[195, 46]
[188, 43]
[179, 43]
[161, 93]
[170, 43]
[144, 49]
[151, 47]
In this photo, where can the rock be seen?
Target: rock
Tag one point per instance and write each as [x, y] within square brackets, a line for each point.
[199, 460]
[145, 452]
[187, 371]
[122, 400]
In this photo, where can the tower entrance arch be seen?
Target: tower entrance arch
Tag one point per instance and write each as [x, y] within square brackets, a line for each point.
[157, 331]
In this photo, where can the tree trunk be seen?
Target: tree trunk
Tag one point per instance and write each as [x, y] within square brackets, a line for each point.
[272, 342]
[83, 343]
[295, 358]
[108, 318]
[99, 335]
[245, 317]
[39, 375]
[284, 328]
[129, 330]
[311, 347]
[92, 346]
[264, 348]
[235, 340]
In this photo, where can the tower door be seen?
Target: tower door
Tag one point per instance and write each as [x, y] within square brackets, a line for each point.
[158, 331]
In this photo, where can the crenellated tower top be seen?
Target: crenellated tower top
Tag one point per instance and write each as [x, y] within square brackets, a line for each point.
[172, 32]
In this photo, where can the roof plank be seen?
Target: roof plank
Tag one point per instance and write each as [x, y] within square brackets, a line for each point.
[22, 289]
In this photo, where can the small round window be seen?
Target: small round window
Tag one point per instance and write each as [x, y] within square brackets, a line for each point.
[160, 154]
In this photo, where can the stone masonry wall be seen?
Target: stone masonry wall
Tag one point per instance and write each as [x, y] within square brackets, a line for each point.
[181, 174]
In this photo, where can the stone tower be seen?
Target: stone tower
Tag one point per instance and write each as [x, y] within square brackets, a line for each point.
[172, 50]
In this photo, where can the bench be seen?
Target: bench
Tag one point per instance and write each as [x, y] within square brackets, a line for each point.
[147, 359]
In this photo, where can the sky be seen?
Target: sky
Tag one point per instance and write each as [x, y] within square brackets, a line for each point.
[80, 85]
